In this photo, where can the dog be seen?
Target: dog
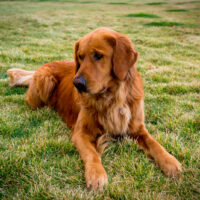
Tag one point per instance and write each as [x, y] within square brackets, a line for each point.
[99, 93]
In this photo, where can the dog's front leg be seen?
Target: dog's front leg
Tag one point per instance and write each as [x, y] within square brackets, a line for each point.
[84, 141]
[168, 163]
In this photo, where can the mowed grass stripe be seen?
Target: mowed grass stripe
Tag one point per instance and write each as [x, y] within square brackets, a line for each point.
[164, 23]
[143, 15]
[176, 10]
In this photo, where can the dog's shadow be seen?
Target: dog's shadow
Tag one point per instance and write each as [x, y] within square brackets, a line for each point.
[19, 90]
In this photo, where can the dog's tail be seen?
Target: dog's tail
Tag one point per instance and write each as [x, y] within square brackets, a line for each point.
[19, 77]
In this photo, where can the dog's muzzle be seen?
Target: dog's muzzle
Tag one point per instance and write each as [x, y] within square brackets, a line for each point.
[80, 83]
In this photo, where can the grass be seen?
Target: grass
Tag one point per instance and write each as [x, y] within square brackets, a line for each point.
[143, 15]
[187, 2]
[38, 160]
[118, 3]
[165, 23]
[177, 10]
[156, 3]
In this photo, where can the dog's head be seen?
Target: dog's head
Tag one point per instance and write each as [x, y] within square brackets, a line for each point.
[101, 56]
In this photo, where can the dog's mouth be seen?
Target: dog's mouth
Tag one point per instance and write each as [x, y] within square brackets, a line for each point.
[103, 89]
[99, 93]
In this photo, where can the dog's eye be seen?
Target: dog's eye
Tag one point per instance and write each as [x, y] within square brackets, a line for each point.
[81, 57]
[97, 56]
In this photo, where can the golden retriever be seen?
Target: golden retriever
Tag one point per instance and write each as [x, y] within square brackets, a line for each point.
[98, 93]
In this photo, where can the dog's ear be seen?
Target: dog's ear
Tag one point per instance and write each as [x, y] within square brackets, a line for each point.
[76, 47]
[124, 55]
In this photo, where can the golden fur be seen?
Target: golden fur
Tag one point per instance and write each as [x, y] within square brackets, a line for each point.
[112, 104]
[19, 77]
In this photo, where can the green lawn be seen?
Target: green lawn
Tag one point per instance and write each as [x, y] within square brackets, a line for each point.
[37, 158]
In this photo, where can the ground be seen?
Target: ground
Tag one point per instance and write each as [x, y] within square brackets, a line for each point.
[38, 160]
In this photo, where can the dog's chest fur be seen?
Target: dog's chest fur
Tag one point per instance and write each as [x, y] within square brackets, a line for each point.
[113, 112]
[115, 120]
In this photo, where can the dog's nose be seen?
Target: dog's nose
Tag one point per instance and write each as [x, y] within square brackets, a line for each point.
[80, 83]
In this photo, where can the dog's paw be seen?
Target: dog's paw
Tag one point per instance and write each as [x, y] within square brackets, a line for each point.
[170, 165]
[96, 176]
